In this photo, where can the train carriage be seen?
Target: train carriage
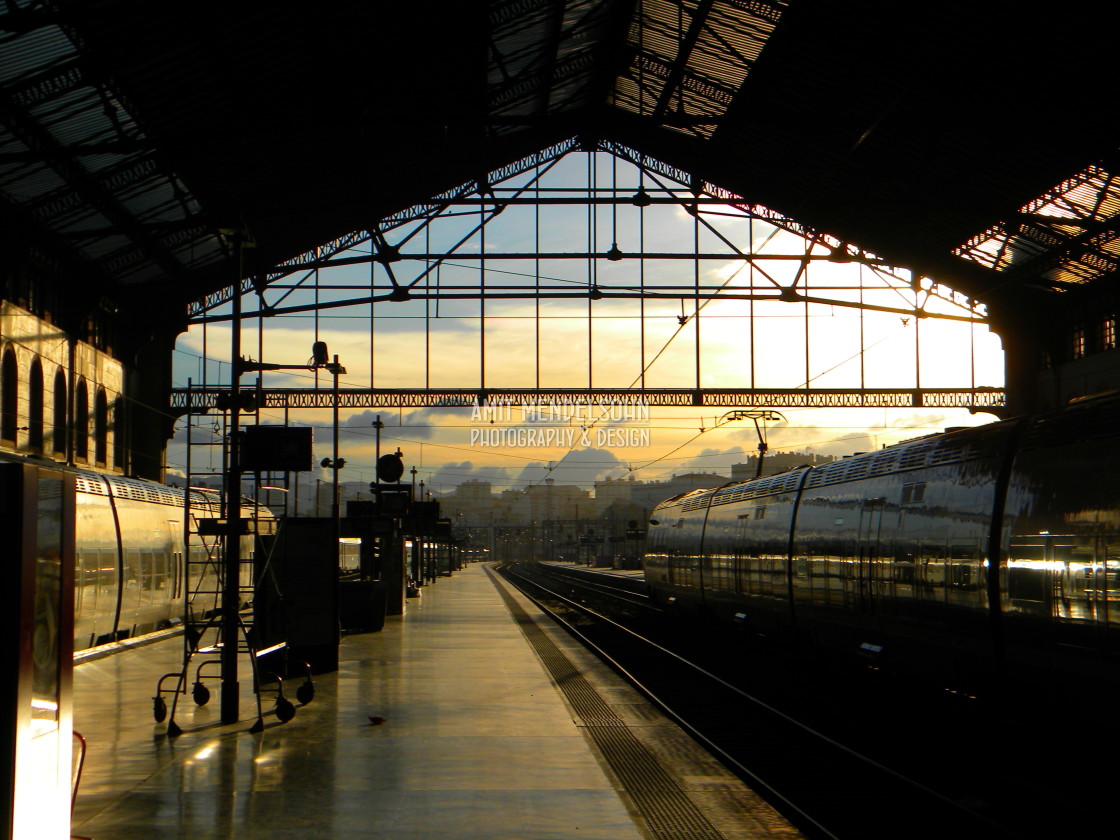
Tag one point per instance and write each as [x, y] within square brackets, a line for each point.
[974, 552]
[131, 574]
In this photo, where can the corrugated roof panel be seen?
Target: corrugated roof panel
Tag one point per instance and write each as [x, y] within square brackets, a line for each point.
[142, 271]
[24, 183]
[1110, 200]
[82, 220]
[29, 182]
[103, 247]
[1088, 197]
[61, 112]
[1081, 199]
[1066, 231]
[75, 117]
[745, 36]
[152, 204]
[1062, 275]
[705, 61]
[1110, 245]
[25, 53]
[200, 251]
[541, 64]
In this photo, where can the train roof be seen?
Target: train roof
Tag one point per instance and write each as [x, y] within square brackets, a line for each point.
[135, 489]
[957, 446]
[771, 485]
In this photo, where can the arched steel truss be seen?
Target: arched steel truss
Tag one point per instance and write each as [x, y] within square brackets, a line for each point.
[201, 400]
[403, 269]
[667, 185]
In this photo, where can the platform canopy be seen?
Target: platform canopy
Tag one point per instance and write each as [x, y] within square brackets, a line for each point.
[973, 142]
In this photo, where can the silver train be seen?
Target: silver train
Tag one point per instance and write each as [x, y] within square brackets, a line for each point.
[971, 554]
[131, 574]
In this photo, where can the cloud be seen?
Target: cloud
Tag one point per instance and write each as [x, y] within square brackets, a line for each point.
[422, 423]
[200, 434]
[453, 473]
[717, 460]
[582, 467]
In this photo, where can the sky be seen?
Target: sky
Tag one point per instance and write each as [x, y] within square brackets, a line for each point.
[663, 341]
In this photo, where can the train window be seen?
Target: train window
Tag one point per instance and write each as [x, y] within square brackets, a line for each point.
[1026, 582]
[912, 494]
[760, 512]
[1024, 550]
[85, 589]
[132, 578]
[176, 570]
[723, 572]
[147, 573]
[106, 571]
[963, 550]
[161, 574]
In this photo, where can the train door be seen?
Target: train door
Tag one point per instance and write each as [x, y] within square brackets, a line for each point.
[867, 561]
[1029, 591]
[1079, 602]
[175, 541]
[1108, 591]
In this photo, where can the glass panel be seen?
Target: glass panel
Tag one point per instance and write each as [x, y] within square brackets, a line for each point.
[45, 649]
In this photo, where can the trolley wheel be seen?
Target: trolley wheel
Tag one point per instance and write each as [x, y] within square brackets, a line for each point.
[159, 709]
[201, 694]
[285, 711]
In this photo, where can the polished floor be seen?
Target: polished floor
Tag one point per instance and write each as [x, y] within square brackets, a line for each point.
[473, 739]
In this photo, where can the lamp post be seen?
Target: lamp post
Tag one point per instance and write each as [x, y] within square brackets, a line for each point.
[335, 368]
[231, 596]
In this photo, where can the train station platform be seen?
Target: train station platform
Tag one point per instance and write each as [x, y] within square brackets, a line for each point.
[471, 716]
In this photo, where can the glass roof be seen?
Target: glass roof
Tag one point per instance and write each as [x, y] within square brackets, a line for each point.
[1065, 238]
[685, 59]
[690, 57]
[74, 158]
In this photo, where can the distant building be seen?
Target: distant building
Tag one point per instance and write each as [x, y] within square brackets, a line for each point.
[646, 495]
[777, 462]
[472, 500]
[550, 502]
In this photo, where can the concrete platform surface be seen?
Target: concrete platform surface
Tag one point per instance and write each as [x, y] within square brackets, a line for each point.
[478, 740]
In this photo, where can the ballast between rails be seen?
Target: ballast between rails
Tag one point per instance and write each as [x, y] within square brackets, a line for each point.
[826, 788]
[619, 589]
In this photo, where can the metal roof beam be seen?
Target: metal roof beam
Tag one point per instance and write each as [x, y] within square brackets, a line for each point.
[1082, 245]
[87, 188]
[979, 398]
[684, 52]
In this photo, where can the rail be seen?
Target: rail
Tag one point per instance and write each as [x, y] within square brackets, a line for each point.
[826, 788]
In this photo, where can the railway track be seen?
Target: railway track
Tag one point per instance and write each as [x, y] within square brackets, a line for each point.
[824, 787]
